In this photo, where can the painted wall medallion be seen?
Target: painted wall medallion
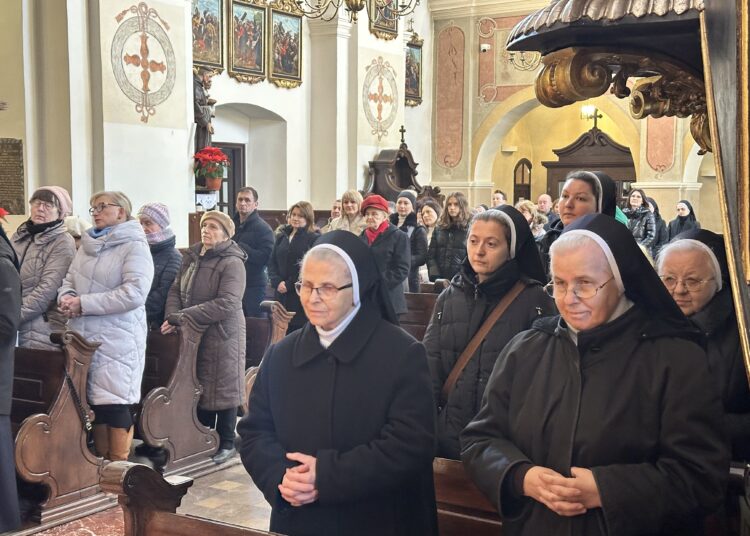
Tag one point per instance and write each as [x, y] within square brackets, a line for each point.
[380, 96]
[143, 60]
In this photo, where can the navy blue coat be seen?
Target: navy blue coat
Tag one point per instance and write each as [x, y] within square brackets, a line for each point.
[167, 263]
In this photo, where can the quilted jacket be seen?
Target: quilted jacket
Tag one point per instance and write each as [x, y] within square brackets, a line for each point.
[112, 275]
[45, 258]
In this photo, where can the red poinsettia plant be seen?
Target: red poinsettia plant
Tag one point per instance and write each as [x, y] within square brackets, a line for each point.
[3, 213]
[210, 163]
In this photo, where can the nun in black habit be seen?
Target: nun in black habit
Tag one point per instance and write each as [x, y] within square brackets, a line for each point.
[583, 192]
[340, 433]
[603, 420]
[700, 255]
[501, 254]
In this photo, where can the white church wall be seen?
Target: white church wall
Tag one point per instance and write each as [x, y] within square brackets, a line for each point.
[149, 157]
[418, 119]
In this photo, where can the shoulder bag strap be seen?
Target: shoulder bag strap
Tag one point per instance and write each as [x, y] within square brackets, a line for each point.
[477, 339]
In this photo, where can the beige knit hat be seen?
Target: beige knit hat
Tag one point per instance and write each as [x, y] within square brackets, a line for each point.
[223, 220]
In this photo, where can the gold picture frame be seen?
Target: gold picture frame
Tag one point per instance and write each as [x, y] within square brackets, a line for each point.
[413, 72]
[285, 45]
[247, 40]
[207, 22]
[382, 25]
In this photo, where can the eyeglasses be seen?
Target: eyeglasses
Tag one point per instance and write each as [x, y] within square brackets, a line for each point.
[582, 291]
[690, 283]
[101, 206]
[325, 292]
[38, 203]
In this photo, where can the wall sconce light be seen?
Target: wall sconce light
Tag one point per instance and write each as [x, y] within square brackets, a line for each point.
[589, 111]
[485, 47]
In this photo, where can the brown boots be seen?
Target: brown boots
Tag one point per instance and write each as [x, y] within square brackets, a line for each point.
[112, 443]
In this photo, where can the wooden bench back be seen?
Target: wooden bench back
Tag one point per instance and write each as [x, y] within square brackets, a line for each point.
[418, 313]
[149, 503]
[162, 357]
[38, 376]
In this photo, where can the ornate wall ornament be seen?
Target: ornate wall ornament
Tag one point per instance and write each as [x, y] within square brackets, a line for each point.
[380, 96]
[146, 75]
[665, 87]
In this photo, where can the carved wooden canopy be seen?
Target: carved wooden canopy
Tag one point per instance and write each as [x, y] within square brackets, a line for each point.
[655, 43]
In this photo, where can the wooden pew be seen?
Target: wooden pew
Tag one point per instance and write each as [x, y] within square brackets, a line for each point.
[419, 308]
[462, 509]
[264, 331]
[171, 391]
[168, 418]
[59, 476]
[149, 503]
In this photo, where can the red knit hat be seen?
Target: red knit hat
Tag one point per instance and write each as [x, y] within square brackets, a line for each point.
[374, 201]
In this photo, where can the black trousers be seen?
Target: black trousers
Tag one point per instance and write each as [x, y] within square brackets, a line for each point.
[224, 421]
[251, 300]
[9, 515]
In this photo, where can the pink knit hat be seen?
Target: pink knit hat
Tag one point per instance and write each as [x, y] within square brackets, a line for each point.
[63, 199]
[158, 212]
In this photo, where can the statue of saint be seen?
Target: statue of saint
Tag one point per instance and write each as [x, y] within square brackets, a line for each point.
[202, 109]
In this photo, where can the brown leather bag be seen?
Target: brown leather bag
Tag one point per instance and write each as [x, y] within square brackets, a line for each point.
[477, 339]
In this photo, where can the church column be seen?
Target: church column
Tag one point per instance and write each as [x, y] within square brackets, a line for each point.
[332, 168]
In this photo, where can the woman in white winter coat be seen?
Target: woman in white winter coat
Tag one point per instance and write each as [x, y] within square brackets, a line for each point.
[45, 251]
[104, 296]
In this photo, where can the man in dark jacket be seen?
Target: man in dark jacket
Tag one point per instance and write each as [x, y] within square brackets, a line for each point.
[10, 318]
[255, 237]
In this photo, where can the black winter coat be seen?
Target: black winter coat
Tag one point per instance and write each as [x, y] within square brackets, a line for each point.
[255, 237]
[642, 225]
[393, 255]
[285, 265]
[544, 243]
[10, 319]
[364, 409]
[677, 226]
[418, 242]
[718, 322]
[167, 263]
[459, 313]
[446, 252]
[662, 236]
[630, 402]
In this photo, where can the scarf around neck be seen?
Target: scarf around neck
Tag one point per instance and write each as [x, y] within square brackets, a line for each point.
[372, 235]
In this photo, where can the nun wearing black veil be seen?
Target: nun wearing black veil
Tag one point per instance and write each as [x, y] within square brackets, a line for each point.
[583, 192]
[502, 269]
[340, 433]
[603, 420]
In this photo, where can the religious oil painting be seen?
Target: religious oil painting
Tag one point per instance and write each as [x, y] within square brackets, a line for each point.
[248, 32]
[384, 22]
[208, 33]
[285, 53]
[413, 73]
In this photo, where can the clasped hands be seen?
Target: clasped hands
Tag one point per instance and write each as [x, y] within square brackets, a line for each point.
[298, 485]
[70, 306]
[564, 496]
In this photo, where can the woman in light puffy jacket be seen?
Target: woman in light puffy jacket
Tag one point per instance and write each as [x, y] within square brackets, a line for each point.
[45, 251]
[104, 296]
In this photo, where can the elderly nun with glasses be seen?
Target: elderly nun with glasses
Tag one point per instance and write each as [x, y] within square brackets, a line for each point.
[603, 420]
[694, 269]
[340, 433]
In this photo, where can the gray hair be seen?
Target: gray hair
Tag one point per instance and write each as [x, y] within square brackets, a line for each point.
[685, 245]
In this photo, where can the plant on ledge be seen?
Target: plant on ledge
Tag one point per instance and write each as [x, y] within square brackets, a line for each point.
[210, 163]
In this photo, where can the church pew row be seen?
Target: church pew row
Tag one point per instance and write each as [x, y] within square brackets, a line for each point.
[58, 475]
[149, 503]
[171, 391]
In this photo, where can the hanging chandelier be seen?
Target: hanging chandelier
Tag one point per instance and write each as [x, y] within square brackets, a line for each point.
[377, 10]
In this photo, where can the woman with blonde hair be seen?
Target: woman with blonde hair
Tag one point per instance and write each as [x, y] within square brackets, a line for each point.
[294, 240]
[448, 245]
[535, 220]
[104, 296]
[350, 220]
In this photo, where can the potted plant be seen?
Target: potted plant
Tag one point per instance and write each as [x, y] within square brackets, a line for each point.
[210, 163]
